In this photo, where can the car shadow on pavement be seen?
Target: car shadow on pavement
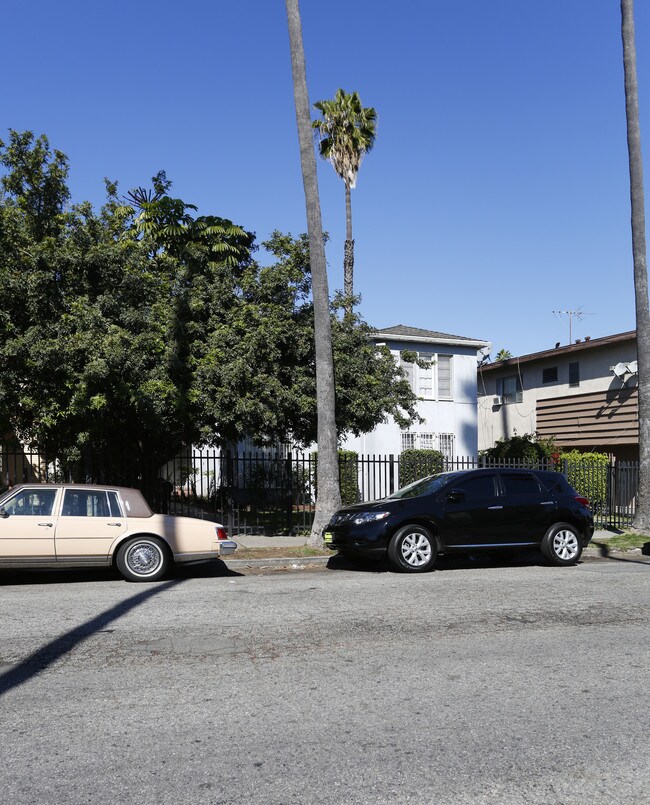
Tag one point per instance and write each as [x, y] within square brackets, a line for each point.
[214, 568]
[443, 563]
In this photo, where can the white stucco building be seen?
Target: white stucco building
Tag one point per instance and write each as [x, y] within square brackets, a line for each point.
[447, 392]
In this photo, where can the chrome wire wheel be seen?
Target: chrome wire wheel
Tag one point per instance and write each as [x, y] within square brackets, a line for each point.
[565, 545]
[143, 559]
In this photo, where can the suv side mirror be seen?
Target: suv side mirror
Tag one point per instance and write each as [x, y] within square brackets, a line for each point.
[456, 495]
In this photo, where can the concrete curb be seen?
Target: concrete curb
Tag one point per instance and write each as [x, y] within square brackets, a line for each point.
[298, 562]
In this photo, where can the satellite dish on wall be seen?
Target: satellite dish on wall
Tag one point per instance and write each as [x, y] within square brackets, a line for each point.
[620, 370]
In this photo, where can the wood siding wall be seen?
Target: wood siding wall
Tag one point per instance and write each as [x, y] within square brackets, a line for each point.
[591, 421]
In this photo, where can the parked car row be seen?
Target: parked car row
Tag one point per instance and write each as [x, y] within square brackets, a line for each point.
[76, 525]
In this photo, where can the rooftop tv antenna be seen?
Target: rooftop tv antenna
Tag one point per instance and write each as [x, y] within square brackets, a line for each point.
[571, 315]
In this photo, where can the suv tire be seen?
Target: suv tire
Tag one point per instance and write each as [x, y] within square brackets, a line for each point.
[561, 544]
[413, 549]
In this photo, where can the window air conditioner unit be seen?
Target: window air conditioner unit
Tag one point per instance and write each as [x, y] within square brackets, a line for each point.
[497, 400]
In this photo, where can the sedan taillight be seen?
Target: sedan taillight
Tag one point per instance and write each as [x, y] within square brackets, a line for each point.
[583, 500]
[221, 532]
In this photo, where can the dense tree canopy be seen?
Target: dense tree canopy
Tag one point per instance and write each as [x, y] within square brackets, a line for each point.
[145, 326]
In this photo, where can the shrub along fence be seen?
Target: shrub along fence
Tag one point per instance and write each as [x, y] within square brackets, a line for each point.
[274, 493]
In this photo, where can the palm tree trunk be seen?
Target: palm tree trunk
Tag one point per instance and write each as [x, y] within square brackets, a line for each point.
[642, 516]
[348, 253]
[328, 495]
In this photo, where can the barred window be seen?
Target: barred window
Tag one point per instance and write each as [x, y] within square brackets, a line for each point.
[427, 441]
[408, 440]
[446, 445]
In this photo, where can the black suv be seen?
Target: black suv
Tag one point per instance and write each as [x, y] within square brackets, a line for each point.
[467, 511]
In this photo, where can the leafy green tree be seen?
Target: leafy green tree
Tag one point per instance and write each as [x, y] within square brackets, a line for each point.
[329, 494]
[134, 331]
[637, 202]
[255, 375]
[347, 131]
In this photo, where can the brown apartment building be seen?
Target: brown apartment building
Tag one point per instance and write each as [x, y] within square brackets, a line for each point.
[584, 395]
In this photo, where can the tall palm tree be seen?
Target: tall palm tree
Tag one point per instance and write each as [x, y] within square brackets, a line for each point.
[328, 497]
[642, 517]
[347, 132]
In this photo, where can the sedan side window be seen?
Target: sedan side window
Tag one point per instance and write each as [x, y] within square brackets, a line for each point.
[85, 503]
[520, 485]
[114, 504]
[31, 503]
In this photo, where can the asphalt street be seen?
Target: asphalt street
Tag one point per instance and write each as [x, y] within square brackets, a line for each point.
[477, 683]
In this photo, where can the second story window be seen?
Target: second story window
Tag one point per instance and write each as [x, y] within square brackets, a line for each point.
[574, 374]
[433, 380]
[444, 376]
[549, 375]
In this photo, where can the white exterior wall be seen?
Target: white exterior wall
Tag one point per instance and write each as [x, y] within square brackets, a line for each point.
[502, 421]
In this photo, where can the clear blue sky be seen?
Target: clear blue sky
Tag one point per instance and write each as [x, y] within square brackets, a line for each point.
[497, 192]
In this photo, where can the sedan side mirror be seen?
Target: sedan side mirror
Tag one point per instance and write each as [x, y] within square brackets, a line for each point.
[456, 495]
[3, 513]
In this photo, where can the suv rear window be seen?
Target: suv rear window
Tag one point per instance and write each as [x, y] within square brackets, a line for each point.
[523, 484]
[556, 482]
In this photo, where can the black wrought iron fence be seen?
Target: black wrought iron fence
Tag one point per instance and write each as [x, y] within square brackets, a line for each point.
[274, 493]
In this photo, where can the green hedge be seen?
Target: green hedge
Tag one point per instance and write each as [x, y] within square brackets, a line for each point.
[348, 476]
[587, 474]
[414, 464]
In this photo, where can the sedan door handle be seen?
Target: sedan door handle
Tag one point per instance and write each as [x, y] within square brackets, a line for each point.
[117, 524]
[46, 525]
[491, 508]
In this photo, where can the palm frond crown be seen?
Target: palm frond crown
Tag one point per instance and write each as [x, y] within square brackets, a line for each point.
[346, 133]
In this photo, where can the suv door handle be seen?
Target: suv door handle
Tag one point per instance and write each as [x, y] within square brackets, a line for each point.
[547, 503]
[490, 508]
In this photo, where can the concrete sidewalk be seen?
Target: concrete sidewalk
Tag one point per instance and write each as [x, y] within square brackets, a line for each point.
[254, 541]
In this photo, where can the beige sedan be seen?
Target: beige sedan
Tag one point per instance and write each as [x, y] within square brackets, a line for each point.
[74, 525]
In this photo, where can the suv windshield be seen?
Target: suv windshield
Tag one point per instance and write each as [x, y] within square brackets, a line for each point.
[423, 486]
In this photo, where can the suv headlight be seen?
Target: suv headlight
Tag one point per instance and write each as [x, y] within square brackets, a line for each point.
[370, 517]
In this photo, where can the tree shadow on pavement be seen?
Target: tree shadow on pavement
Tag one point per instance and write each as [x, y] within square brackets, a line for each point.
[48, 654]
